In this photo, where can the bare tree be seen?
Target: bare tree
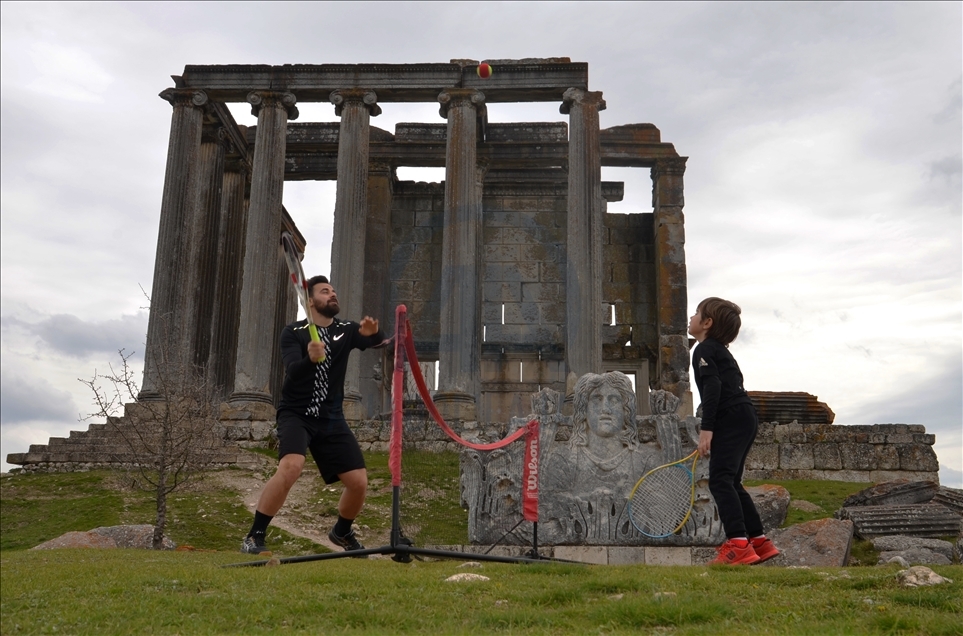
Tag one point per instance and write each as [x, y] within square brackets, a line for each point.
[170, 440]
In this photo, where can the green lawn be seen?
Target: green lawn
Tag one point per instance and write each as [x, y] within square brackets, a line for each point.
[145, 592]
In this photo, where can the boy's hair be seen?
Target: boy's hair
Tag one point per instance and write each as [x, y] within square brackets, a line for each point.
[725, 319]
[315, 280]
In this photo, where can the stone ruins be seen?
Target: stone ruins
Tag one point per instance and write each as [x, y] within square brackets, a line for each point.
[516, 277]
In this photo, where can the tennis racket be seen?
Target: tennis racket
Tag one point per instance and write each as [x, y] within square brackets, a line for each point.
[661, 501]
[299, 281]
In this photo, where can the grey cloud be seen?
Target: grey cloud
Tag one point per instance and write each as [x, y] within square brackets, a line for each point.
[949, 168]
[935, 403]
[23, 399]
[69, 334]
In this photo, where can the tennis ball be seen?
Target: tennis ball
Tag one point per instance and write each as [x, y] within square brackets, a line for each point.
[484, 70]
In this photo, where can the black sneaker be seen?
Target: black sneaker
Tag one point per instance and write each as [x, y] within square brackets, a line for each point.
[254, 544]
[349, 542]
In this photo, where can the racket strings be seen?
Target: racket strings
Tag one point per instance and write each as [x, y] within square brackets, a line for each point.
[662, 500]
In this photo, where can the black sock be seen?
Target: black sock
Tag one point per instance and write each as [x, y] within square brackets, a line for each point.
[343, 526]
[260, 525]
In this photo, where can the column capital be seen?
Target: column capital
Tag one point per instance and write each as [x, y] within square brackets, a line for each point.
[379, 166]
[366, 97]
[574, 96]
[260, 99]
[674, 166]
[460, 96]
[184, 97]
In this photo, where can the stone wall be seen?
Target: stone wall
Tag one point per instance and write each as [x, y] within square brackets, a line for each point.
[873, 453]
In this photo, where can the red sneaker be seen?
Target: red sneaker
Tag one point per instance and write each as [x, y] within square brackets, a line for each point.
[764, 548]
[732, 554]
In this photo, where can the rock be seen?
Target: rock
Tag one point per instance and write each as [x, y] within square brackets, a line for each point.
[918, 576]
[772, 502]
[917, 520]
[77, 540]
[139, 536]
[899, 543]
[823, 542]
[805, 506]
[959, 550]
[891, 493]
[898, 560]
[466, 576]
[470, 564]
[915, 556]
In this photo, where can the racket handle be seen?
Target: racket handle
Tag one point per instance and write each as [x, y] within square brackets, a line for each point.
[313, 330]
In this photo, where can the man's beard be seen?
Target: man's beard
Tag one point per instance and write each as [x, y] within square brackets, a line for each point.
[329, 309]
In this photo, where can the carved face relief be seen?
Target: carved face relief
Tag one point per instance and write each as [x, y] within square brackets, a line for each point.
[605, 412]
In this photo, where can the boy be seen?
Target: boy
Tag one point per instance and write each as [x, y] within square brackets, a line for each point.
[728, 429]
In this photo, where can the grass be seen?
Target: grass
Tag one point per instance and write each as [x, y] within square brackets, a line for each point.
[133, 591]
[129, 591]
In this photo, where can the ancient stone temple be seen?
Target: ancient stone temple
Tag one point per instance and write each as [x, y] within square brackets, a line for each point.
[510, 268]
[515, 275]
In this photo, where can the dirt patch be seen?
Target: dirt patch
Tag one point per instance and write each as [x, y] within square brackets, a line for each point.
[302, 514]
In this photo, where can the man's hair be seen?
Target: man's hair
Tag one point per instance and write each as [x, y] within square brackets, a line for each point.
[725, 319]
[314, 280]
[589, 384]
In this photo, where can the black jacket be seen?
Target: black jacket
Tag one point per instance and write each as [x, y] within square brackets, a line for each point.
[318, 389]
[719, 380]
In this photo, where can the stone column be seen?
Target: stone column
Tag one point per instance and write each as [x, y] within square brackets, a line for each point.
[203, 236]
[259, 291]
[583, 268]
[671, 297]
[227, 297]
[355, 107]
[168, 339]
[375, 366]
[459, 343]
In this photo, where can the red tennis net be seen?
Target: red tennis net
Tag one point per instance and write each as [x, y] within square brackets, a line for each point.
[405, 351]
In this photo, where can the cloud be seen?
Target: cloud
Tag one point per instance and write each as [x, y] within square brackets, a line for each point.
[27, 399]
[70, 335]
[951, 478]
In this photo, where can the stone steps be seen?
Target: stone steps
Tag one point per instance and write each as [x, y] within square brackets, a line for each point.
[914, 520]
[951, 498]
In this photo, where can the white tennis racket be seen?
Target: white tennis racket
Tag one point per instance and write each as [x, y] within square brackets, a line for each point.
[298, 280]
[661, 501]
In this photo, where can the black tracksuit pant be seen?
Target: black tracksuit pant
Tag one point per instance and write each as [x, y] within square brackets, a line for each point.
[732, 437]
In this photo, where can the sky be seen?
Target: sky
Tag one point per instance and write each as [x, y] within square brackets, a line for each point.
[822, 190]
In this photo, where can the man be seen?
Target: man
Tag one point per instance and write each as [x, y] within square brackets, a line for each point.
[310, 415]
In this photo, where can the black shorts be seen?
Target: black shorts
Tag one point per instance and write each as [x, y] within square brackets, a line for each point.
[333, 446]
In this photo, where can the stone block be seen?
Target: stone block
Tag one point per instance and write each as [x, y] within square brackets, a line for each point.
[702, 556]
[914, 556]
[764, 435]
[763, 457]
[668, 555]
[916, 520]
[899, 543]
[921, 438]
[780, 433]
[826, 457]
[819, 543]
[551, 313]
[551, 272]
[887, 458]
[893, 493]
[951, 498]
[901, 438]
[541, 292]
[501, 253]
[511, 272]
[919, 457]
[858, 456]
[772, 503]
[502, 291]
[626, 555]
[595, 554]
[261, 430]
[521, 313]
[795, 457]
